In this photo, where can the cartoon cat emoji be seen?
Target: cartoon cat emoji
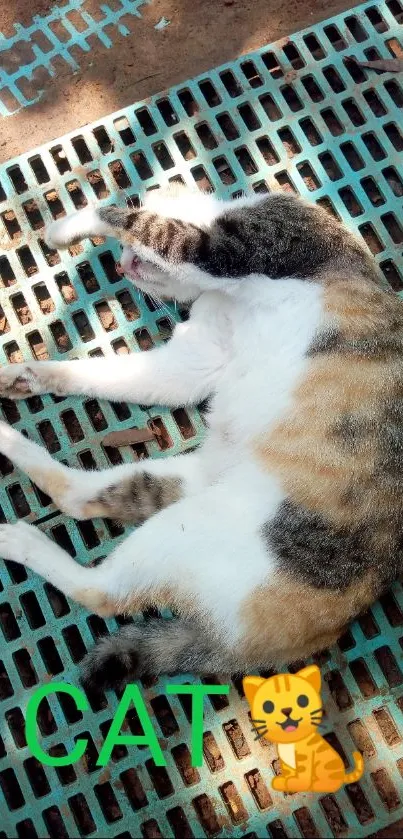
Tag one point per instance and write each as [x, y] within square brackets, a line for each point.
[286, 709]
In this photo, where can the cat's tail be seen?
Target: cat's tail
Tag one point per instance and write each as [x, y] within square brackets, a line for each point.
[150, 648]
[356, 773]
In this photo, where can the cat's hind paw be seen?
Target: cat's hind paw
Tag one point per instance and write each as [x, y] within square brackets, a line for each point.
[17, 540]
[17, 381]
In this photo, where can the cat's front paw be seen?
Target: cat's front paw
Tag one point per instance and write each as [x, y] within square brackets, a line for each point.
[17, 381]
[16, 539]
[279, 783]
[55, 234]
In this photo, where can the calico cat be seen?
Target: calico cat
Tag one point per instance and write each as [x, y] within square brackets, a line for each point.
[288, 520]
[287, 709]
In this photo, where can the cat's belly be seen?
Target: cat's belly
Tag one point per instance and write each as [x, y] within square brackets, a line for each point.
[286, 753]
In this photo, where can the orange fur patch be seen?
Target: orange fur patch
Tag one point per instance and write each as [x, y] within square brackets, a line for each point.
[134, 602]
[287, 620]
[318, 469]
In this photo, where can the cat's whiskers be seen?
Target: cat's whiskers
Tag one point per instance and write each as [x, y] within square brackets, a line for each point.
[260, 734]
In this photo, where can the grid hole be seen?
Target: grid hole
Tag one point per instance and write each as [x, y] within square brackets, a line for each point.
[387, 726]
[395, 92]
[363, 678]
[162, 154]
[39, 169]
[184, 145]
[315, 48]
[12, 225]
[32, 610]
[98, 184]
[134, 789]
[393, 227]
[124, 130]
[394, 181]
[251, 74]
[355, 27]
[311, 132]
[386, 789]
[83, 326]
[334, 79]
[308, 175]
[25, 668]
[272, 64]
[17, 179]
[160, 779]
[291, 96]
[188, 102]
[231, 83]
[212, 754]
[82, 814]
[7, 275]
[81, 149]
[336, 39]
[36, 776]
[376, 19]
[389, 666]
[146, 121]
[142, 166]
[259, 789]
[206, 136]
[234, 803]
[330, 166]
[183, 761]
[371, 238]
[103, 140]
[54, 823]
[50, 656]
[167, 112]
[11, 789]
[206, 814]
[60, 159]
[270, 107]
[16, 723]
[210, 94]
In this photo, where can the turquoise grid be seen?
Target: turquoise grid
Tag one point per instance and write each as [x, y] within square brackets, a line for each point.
[293, 115]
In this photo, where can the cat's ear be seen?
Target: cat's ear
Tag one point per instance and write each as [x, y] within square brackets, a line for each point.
[312, 675]
[251, 685]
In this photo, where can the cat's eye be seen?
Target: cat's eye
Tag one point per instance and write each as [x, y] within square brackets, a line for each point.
[302, 700]
[268, 706]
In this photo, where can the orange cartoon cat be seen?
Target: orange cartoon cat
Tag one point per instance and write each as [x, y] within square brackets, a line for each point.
[287, 709]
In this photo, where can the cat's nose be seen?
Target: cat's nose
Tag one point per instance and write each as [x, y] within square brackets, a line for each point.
[286, 711]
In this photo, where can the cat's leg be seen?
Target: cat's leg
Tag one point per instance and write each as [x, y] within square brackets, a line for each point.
[129, 492]
[182, 372]
[196, 556]
[299, 780]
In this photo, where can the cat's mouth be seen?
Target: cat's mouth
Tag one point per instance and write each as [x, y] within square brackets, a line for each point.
[129, 267]
[289, 724]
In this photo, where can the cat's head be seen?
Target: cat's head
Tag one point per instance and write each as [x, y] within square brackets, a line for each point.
[287, 707]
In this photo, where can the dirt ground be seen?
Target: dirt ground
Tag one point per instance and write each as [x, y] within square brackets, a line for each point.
[201, 34]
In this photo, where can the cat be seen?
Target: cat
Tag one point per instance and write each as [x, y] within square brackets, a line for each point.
[287, 709]
[287, 521]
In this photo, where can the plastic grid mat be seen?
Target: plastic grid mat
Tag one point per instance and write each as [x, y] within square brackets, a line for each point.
[54, 42]
[294, 115]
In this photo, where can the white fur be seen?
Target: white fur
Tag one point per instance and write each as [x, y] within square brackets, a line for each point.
[246, 343]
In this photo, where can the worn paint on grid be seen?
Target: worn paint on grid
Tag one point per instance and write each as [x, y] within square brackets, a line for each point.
[293, 115]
